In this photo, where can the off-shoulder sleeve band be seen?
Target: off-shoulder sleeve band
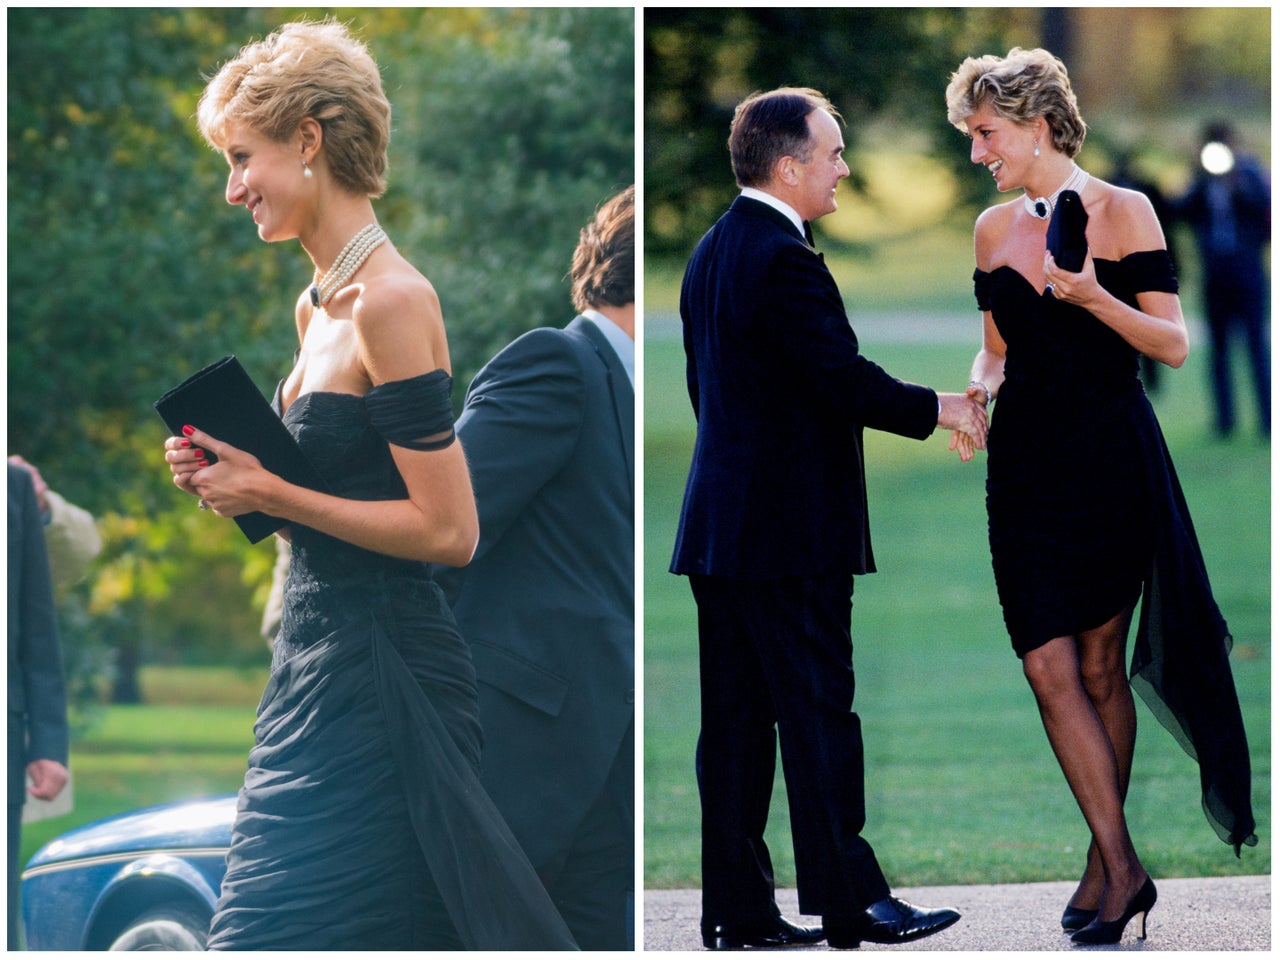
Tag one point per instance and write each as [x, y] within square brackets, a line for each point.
[1150, 270]
[416, 413]
[982, 289]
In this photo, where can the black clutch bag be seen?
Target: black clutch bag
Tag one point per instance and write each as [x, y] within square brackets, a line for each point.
[222, 401]
[1066, 232]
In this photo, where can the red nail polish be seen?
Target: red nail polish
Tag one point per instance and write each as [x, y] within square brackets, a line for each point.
[188, 430]
[204, 463]
[185, 443]
[197, 453]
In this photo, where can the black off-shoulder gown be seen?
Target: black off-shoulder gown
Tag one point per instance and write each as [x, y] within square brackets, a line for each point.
[1085, 515]
[362, 824]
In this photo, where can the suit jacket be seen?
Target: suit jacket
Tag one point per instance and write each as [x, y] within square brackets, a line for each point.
[37, 692]
[548, 602]
[1248, 193]
[782, 395]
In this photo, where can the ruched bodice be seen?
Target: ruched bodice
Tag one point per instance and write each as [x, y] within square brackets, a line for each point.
[1055, 344]
[1085, 514]
[346, 437]
[362, 824]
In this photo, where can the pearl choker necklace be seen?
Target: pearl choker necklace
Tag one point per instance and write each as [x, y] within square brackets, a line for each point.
[1042, 207]
[352, 257]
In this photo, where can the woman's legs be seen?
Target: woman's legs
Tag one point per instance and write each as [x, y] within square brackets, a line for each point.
[1081, 690]
[1102, 668]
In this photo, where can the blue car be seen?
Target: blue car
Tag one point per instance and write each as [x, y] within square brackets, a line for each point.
[146, 880]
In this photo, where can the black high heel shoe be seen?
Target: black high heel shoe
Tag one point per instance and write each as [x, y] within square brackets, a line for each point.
[1109, 931]
[1076, 918]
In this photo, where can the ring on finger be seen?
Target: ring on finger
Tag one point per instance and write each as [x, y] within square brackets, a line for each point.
[203, 505]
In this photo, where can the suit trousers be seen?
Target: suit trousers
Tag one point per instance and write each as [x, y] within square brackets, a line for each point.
[591, 882]
[17, 746]
[776, 661]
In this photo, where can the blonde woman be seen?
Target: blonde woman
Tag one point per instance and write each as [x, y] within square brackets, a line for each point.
[362, 823]
[1085, 511]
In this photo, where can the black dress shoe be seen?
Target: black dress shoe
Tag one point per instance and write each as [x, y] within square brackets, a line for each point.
[1110, 931]
[778, 932]
[891, 920]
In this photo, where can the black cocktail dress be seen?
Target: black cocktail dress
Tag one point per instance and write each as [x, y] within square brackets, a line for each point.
[362, 824]
[1085, 515]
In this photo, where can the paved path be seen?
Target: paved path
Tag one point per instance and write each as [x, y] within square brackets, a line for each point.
[1227, 913]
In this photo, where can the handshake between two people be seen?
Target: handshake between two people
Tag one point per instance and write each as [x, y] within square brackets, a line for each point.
[965, 415]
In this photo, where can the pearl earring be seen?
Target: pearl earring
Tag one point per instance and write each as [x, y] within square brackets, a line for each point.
[1036, 154]
[306, 170]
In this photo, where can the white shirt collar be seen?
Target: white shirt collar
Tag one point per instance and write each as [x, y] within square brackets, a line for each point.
[622, 345]
[753, 194]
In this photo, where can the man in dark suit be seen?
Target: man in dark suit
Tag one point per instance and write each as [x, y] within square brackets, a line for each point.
[774, 526]
[37, 693]
[548, 602]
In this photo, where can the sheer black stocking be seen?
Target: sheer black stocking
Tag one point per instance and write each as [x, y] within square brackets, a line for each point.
[1087, 709]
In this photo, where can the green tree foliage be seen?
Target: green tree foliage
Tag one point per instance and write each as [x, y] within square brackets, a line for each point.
[871, 62]
[128, 271]
[512, 128]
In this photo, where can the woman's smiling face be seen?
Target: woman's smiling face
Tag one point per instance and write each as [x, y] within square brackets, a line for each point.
[266, 178]
[1004, 147]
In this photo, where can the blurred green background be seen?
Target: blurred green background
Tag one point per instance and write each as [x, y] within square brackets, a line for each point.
[961, 784]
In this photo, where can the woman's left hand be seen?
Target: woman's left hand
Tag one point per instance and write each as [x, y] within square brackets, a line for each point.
[1078, 288]
[229, 487]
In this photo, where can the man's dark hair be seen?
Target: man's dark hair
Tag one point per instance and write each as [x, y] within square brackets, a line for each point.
[769, 126]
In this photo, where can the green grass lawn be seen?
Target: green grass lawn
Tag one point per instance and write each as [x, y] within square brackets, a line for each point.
[191, 739]
[961, 785]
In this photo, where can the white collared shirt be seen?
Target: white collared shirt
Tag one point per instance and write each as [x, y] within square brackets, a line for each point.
[622, 345]
[784, 208]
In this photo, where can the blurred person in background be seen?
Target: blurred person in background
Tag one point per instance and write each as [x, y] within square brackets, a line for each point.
[1085, 512]
[70, 534]
[38, 738]
[1125, 174]
[1229, 208]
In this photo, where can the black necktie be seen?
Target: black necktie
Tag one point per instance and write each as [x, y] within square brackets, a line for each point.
[808, 233]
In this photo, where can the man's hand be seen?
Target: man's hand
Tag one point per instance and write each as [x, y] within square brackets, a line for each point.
[48, 777]
[962, 413]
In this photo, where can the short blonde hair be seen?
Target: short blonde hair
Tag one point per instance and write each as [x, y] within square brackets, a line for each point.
[307, 69]
[1022, 87]
[604, 264]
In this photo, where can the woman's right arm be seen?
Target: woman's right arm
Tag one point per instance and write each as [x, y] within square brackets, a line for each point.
[987, 373]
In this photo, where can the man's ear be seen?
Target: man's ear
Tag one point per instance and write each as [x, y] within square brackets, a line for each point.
[784, 171]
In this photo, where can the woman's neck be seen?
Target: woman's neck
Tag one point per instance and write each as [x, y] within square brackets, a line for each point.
[1044, 182]
[333, 225]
